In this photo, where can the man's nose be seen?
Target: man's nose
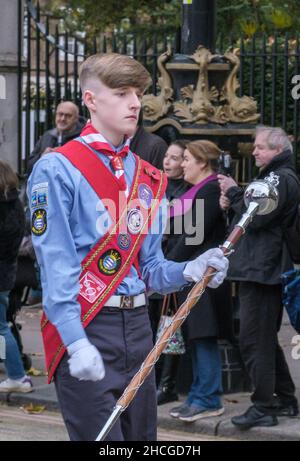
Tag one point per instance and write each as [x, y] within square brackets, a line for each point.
[135, 101]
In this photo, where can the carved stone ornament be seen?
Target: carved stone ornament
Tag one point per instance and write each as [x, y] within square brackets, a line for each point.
[201, 104]
[238, 110]
[155, 107]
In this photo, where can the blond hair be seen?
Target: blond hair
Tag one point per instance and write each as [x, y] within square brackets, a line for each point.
[8, 178]
[114, 70]
[206, 151]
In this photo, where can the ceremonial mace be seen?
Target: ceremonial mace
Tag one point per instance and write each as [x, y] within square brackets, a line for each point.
[260, 198]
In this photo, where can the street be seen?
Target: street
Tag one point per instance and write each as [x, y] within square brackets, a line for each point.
[15, 425]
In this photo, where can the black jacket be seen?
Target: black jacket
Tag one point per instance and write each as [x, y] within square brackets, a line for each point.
[12, 224]
[261, 255]
[51, 139]
[149, 147]
[212, 315]
[176, 187]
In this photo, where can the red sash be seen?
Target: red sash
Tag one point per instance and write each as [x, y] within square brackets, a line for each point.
[110, 260]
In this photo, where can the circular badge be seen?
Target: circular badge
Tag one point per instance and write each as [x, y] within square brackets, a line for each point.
[124, 241]
[39, 222]
[135, 221]
[145, 195]
[109, 263]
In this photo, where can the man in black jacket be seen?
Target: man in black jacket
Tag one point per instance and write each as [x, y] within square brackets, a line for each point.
[257, 263]
[148, 146]
[67, 127]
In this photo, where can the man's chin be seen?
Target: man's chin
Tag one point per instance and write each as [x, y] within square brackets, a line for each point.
[130, 131]
[61, 128]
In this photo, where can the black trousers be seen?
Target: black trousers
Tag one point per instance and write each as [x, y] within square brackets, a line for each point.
[124, 338]
[260, 320]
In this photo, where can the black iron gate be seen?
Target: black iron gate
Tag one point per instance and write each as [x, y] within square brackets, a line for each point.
[49, 62]
[49, 59]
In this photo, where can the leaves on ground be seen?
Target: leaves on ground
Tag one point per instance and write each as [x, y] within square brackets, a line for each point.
[33, 409]
[34, 372]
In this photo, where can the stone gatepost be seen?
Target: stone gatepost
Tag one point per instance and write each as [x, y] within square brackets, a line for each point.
[9, 125]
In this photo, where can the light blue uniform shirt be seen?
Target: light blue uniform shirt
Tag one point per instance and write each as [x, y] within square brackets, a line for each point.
[76, 220]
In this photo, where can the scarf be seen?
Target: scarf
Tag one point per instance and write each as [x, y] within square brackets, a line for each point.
[183, 204]
[96, 141]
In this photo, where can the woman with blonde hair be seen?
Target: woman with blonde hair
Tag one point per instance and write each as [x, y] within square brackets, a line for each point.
[12, 223]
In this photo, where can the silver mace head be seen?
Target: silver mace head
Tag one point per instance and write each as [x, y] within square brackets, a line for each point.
[262, 193]
[261, 197]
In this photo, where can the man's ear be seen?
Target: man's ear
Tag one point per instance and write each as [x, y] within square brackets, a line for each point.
[89, 100]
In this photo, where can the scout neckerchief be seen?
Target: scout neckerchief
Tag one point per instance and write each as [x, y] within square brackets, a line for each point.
[95, 140]
[110, 260]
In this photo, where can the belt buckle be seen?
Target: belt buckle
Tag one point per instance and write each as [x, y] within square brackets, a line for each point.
[127, 302]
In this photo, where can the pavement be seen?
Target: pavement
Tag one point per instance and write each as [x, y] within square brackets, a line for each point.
[237, 403]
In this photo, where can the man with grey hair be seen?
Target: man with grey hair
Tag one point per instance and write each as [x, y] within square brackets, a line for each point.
[257, 264]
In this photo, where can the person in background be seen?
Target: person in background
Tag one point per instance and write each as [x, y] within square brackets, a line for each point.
[148, 146]
[12, 224]
[198, 214]
[67, 127]
[172, 165]
[257, 263]
[167, 366]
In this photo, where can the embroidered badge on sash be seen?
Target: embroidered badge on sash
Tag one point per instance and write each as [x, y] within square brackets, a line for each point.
[124, 241]
[109, 263]
[145, 195]
[91, 287]
[39, 222]
[135, 221]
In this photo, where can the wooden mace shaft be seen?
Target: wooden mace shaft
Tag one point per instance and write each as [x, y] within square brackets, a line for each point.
[178, 319]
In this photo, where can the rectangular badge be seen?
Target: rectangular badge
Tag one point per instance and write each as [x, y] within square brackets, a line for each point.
[39, 195]
[91, 287]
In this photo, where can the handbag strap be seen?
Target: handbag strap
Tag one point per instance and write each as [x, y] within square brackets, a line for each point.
[175, 301]
[165, 305]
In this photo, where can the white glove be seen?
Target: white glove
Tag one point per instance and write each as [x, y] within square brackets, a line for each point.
[85, 362]
[194, 270]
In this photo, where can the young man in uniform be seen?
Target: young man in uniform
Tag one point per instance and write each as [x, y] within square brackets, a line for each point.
[99, 257]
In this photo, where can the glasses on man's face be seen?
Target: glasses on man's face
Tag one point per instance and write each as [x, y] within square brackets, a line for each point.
[63, 114]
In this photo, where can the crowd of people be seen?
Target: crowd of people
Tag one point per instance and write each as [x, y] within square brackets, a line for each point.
[105, 275]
